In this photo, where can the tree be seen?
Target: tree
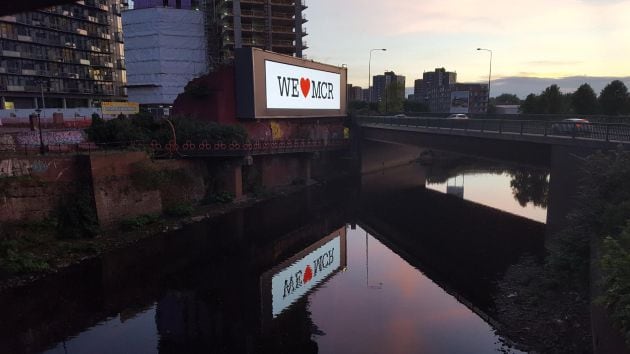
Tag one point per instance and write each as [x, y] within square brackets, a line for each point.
[392, 100]
[613, 99]
[415, 106]
[584, 100]
[506, 99]
[530, 186]
[531, 105]
[552, 100]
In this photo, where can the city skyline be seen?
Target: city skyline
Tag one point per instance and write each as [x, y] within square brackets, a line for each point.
[585, 39]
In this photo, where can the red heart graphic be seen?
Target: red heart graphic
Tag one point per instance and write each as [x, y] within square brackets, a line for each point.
[305, 85]
[308, 274]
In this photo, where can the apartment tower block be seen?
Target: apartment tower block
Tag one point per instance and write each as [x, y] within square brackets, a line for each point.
[73, 53]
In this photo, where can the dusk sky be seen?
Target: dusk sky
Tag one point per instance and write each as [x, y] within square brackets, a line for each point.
[534, 38]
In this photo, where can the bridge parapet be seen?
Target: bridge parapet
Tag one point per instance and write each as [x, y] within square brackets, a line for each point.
[555, 131]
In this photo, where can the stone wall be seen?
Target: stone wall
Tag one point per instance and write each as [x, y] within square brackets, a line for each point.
[115, 196]
[125, 185]
[31, 188]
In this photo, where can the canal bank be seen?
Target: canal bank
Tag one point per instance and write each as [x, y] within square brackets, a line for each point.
[429, 216]
[60, 215]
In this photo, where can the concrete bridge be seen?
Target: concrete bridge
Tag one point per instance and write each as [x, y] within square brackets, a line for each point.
[522, 141]
[559, 147]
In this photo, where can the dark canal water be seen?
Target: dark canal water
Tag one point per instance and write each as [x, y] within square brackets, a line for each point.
[388, 264]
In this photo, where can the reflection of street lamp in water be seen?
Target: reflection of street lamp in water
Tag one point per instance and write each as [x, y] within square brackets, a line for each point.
[367, 269]
[454, 189]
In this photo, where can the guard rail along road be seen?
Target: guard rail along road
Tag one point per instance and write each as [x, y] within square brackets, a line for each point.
[555, 132]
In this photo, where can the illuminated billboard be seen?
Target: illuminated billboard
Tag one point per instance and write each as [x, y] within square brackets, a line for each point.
[295, 87]
[296, 277]
[272, 85]
[459, 101]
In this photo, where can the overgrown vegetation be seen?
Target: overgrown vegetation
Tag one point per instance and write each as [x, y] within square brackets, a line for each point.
[605, 213]
[143, 127]
[76, 217]
[179, 210]
[616, 278]
[15, 261]
[139, 222]
[222, 197]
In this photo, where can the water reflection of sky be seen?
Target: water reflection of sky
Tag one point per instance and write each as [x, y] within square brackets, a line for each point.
[379, 304]
[407, 313]
[492, 190]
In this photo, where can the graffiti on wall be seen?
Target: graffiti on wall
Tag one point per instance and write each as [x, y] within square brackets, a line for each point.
[7, 143]
[51, 138]
[23, 167]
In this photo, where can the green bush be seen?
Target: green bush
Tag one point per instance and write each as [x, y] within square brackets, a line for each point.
[142, 127]
[615, 266]
[118, 130]
[139, 222]
[76, 217]
[14, 261]
[604, 209]
[222, 197]
[180, 210]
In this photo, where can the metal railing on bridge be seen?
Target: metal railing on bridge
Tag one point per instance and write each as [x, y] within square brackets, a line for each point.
[186, 149]
[609, 132]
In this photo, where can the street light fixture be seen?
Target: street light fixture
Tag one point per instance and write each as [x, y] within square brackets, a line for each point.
[489, 76]
[370, 73]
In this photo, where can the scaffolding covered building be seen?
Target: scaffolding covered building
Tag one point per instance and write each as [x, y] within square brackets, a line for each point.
[166, 48]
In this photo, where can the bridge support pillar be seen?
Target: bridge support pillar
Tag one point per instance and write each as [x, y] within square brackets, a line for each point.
[306, 169]
[233, 180]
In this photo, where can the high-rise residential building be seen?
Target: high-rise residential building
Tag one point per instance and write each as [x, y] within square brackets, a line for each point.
[274, 25]
[418, 90]
[165, 48]
[355, 93]
[436, 89]
[366, 95]
[74, 53]
[381, 82]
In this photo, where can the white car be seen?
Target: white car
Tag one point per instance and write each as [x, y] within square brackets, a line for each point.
[457, 116]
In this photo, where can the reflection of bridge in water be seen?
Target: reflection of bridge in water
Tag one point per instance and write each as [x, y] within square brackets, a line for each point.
[390, 141]
[462, 246]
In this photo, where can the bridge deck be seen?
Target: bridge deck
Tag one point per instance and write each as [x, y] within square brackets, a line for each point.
[590, 135]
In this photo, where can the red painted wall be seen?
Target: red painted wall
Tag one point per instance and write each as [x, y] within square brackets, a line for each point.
[212, 98]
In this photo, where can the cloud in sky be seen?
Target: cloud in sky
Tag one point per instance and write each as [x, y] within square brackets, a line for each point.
[541, 38]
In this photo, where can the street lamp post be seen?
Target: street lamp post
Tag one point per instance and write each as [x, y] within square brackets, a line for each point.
[42, 148]
[489, 76]
[370, 74]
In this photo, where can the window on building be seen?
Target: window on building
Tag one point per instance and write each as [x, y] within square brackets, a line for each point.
[178, 4]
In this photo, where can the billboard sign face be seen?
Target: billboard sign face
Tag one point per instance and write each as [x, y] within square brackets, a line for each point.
[459, 101]
[116, 108]
[293, 282]
[294, 278]
[272, 85]
[295, 87]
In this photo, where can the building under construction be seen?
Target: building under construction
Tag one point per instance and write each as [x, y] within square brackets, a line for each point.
[274, 25]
